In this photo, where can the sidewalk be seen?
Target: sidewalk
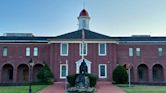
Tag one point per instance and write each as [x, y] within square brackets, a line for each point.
[57, 87]
[107, 87]
[102, 87]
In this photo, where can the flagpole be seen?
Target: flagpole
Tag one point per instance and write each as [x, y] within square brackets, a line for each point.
[66, 76]
[83, 36]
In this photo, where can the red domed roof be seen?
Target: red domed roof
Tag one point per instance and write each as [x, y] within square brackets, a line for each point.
[84, 13]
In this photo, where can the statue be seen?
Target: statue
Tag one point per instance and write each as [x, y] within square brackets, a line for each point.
[82, 80]
[83, 68]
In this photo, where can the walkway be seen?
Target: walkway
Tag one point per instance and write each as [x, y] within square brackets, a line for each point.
[107, 87]
[102, 87]
[57, 87]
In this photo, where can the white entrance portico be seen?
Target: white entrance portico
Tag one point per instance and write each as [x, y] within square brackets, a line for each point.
[78, 64]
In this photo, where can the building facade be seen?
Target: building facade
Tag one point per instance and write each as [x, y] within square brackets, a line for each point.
[145, 54]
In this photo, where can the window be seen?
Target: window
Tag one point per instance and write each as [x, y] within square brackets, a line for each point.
[102, 49]
[130, 52]
[102, 71]
[5, 51]
[63, 71]
[85, 49]
[84, 23]
[27, 51]
[35, 51]
[160, 51]
[138, 52]
[64, 49]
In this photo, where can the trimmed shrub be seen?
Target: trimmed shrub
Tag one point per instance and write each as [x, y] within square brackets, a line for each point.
[71, 79]
[45, 75]
[120, 75]
[93, 80]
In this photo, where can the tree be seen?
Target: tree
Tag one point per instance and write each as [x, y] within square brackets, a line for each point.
[45, 75]
[120, 75]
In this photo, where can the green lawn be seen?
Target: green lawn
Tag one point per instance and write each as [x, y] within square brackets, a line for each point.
[20, 89]
[144, 89]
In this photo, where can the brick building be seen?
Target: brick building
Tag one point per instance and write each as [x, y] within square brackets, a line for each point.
[102, 53]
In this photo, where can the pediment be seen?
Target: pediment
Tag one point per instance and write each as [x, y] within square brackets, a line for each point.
[86, 61]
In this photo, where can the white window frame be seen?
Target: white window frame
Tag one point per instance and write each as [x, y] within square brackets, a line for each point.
[35, 51]
[63, 77]
[138, 52]
[61, 53]
[105, 51]
[86, 48]
[131, 52]
[105, 65]
[5, 51]
[28, 51]
[160, 50]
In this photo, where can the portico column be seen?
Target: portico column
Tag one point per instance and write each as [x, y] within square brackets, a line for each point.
[150, 75]
[0, 76]
[15, 76]
[135, 75]
[164, 76]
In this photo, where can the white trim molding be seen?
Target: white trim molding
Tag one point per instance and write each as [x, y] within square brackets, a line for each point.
[61, 65]
[105, 50]
[78, 64]
[80, 41]
[105, 72]
[67, 45]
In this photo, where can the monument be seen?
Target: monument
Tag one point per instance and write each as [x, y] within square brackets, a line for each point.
[82, 81]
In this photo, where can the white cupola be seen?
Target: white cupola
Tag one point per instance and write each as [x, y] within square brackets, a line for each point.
[83, 20]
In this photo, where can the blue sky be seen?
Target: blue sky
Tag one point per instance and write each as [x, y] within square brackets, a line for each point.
[110, 17]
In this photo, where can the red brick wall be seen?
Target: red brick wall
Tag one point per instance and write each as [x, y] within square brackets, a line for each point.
[17, 56]
[116, 54]
[92, 56]
[149, 57]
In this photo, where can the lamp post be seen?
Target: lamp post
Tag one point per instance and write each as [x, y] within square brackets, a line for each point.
[31, 63]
